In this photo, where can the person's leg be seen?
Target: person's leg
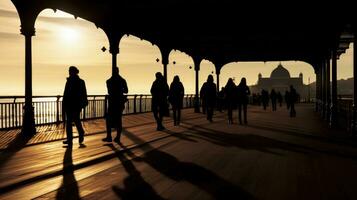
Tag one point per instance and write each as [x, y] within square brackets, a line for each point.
[240, 113]
[77, 122]
[245, 113]
[178, 116]
[119, 129]
[69, 133]
[175, 115]
[161, 116]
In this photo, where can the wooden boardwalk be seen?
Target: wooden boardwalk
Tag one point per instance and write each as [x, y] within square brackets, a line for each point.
[273, 157]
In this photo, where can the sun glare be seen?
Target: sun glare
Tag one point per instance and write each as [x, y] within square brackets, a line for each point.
[69, 35]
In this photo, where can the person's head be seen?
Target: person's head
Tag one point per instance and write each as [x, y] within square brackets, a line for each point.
[73, 71]
[158, 75]
[243, 81]
[210, 78]
[176, 79]
[291, 87]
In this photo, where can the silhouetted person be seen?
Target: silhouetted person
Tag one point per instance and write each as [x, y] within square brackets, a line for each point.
[293, 98]
[159, 91]
[230, 91]
[74, 100]
[209, 95]
[221, 100]
[203, 101]
[243, 93]
[287, 99]
[273, 98]
[176, 94]
[117, 88]
[279, 98]
[265, 98]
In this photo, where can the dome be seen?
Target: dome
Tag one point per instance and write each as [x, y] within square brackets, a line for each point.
[280, 72]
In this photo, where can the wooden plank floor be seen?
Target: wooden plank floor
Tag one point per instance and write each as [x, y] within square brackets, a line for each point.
[273, 157]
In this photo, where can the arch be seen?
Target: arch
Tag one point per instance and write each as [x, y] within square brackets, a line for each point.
[53, 53]
[184, 68]
[207, 68]
[11, 51]
[138, 63]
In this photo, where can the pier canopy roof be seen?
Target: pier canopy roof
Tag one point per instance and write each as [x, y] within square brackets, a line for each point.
[221, 31]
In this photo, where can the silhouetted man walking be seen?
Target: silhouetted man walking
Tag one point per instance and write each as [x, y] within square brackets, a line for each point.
[209, 96]
[159, 91]
[176, 94]
[74, 100]
[117, 88]
[243, 98]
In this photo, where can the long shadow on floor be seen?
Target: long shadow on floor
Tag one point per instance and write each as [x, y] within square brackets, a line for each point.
[201, 177]
[135, 186]
[260, 143]
[69, 187]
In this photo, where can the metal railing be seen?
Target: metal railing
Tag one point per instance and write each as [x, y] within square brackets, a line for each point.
[48, 109]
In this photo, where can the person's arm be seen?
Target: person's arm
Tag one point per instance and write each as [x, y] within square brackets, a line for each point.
[125, 87]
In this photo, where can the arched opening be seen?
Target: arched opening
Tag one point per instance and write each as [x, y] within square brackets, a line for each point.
[62, 41]
[207, 68]
[138, 64]
[184, 68]
[12, 54]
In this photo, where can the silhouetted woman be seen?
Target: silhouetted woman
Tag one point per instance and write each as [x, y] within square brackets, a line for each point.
[230, 98]
[159, 91]
[243, 93]
[176, 94]
[209, 94]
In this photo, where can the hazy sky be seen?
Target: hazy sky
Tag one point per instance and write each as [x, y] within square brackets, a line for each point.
[62, 41]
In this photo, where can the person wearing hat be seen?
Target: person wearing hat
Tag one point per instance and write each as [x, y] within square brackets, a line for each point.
[74, 100]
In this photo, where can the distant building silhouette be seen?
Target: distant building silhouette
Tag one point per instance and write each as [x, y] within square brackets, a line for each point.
[280, 80]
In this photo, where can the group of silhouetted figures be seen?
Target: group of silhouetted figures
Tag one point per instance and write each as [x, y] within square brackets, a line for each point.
[230, 97]
[75, 99]
[290, 98]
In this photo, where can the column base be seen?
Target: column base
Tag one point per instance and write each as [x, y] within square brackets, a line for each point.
[333, 117]
[197, 105]
[28, 125]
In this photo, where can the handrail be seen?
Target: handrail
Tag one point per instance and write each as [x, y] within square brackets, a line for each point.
[49, 110]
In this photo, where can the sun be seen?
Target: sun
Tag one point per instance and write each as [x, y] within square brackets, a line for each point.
[69, 34]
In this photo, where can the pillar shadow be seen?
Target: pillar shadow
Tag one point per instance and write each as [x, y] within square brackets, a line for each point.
[69, 187]
[135, 187]
[18, 143]
[204, 179]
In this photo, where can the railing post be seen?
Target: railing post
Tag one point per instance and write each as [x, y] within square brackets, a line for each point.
[140, 103]
[135, 103]
[94, 108]
[57, 109]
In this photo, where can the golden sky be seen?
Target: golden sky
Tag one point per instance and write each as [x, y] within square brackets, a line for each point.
[62, 41]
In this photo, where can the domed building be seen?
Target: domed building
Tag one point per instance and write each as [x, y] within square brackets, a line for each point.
[280, 80]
